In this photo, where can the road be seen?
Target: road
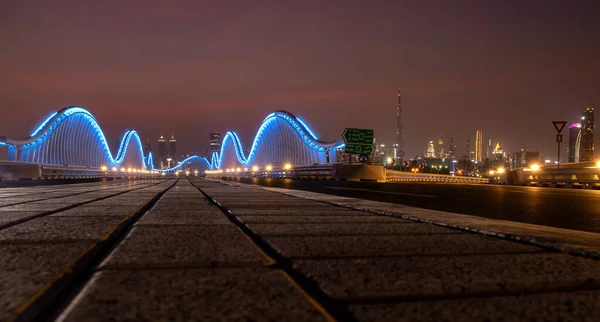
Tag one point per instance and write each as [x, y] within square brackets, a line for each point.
[564, 208]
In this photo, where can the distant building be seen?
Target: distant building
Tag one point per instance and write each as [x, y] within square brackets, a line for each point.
[147, 147]
[586, 148]
[518, 159]
[430, 150]
[488, 150]
[498, 156]
[162, 151]
[478, 147]
[399, 125]
[173, 147]
[468, 151]
[215, 142]
[532, 157]
[574, 142]
[440, 148]
[452, 148]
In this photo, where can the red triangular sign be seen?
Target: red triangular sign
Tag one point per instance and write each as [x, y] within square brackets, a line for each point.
[559, 125]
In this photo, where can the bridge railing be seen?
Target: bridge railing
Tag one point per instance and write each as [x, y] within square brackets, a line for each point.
[400, 176]
[555, 177]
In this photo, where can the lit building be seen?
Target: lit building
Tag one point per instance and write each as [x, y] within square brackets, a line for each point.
[498, 156]
[172, 147]
[430, 150]
[162, 151]
[469, 151]
[488, 150]
[399, 127]
[440, 148]
[147, 148]
[215, 142]
[478, 147]
[586, 147]
[452, 148]
[532, 157]
[574, 142]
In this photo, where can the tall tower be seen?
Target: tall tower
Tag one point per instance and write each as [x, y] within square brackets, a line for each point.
[452, 148]
[399, 128]
[172, 147]
[147, 148]
[215, 142]
[478, 146]
[586, 149]
[162, 150]
[574, 142]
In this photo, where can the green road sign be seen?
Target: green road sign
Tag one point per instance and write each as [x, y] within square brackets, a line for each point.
[358, 136]
[353, 148]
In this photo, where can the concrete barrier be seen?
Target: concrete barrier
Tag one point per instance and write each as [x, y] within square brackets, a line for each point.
[359, 172]
[18, 171]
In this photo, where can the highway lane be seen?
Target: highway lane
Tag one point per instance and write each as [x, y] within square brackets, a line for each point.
[557, 207]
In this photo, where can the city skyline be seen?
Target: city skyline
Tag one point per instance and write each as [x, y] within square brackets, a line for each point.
[509, 69]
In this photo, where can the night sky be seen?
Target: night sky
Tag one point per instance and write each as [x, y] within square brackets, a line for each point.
[508, 68]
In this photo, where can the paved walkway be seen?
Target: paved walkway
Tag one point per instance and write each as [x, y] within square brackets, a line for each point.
[200, 250]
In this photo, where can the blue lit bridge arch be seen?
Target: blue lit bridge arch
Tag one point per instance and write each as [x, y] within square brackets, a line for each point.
[72, 137]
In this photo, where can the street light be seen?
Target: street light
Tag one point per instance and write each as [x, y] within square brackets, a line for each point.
[255, 168]
[269, 168]
[287, 166]
[535, 167]
[501, 170]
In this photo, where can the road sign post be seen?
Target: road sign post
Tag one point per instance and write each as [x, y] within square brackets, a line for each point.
[559, 126]
[358, 141]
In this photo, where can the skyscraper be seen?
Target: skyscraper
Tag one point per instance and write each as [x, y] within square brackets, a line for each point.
[173, 147]
[574, 142]
[586, 148]
[147, 148]
[488, 150]
[478, 146]
[399, 129]
[215, 142]
[430, 150]
[469, 151]
[452, 148]
[162, 150]
[440, 148]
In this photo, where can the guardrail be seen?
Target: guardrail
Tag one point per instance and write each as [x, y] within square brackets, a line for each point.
[399, 176]
[568, 178]
[318, 172]
[326, 172]
[10, 171]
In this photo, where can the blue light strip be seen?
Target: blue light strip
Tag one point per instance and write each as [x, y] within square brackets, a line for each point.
[43, 124]
[186, 160]
[306, 128]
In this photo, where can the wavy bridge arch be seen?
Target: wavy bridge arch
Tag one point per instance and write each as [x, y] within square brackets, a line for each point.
[281, 139]
[73, 137]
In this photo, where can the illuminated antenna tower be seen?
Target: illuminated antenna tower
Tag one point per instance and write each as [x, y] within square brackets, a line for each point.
[399, 130]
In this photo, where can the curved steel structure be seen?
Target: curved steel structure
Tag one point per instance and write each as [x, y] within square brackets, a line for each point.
[281, 139]
[73, 137]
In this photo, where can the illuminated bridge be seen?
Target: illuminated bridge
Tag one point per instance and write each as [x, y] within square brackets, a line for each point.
[73, 138]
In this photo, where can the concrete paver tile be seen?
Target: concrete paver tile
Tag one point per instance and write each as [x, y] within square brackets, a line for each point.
[149, 245]
[444, 275]
[60, 228]
[570, 306]
[302, 219]
[332, 246]
[87, 210]
[26, 268]
[332, 229]
[10, 216]
[191, 295]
